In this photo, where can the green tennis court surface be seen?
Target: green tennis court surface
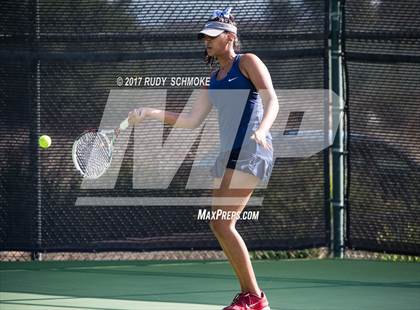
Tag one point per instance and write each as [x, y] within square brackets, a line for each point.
[208, 285]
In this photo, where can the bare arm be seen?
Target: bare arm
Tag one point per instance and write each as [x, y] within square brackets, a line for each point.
[260, 77]
[258, 73]
[200, 109]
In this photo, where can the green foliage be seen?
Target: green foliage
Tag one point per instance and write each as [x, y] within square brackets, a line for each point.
[399, 258]
[323, 253]
[296, 254]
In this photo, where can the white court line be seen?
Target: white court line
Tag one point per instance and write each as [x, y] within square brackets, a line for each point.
[141, 266]
[11, 300]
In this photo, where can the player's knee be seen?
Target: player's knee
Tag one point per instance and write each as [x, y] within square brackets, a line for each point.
[221, 227]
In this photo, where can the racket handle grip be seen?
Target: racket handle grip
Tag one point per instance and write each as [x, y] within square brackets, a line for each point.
[124, 124]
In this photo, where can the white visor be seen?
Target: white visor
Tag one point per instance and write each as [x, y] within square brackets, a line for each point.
[213, 29]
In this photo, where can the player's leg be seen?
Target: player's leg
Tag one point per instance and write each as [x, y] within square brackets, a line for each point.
[235, 190]
[217, 182]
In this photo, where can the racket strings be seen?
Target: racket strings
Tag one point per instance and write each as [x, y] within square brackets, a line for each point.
[93, 154]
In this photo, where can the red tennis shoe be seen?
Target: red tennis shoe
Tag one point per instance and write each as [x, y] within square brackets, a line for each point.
[248, 301]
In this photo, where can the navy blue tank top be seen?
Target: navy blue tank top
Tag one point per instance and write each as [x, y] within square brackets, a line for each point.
[239, 107]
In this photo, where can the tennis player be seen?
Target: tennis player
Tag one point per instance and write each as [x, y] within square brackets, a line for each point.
[241, 166]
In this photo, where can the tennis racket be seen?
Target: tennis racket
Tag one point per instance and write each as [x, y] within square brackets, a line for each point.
[92, 150]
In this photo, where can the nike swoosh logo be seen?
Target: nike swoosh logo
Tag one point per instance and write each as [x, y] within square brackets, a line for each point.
[230, 80]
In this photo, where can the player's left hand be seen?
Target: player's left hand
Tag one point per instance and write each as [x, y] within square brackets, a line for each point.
[260, 137]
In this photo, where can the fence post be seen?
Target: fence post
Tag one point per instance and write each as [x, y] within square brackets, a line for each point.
[36, 130]
[336, 85]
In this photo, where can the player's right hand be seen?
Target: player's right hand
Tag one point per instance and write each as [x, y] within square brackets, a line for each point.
[137, 116]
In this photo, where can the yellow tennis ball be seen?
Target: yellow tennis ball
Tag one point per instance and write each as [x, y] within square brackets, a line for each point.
[44, 141]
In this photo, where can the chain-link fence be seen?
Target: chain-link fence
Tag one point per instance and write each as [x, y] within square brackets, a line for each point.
[61, 59]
